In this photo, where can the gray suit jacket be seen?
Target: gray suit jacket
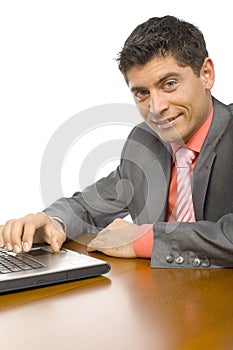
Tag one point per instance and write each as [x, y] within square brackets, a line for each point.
[139, 187]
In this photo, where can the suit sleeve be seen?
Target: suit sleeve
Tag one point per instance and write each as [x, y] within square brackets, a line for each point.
[97, 205]
[200, 244]
[94, 208]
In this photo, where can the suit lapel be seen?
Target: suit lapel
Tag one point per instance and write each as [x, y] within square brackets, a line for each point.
[207, 156]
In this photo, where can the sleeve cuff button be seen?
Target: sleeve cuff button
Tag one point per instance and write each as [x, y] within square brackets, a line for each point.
[170, 258]
[179, 259]
[196, 262]
[205, 263]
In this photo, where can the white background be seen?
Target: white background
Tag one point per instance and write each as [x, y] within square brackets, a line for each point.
[57, 58]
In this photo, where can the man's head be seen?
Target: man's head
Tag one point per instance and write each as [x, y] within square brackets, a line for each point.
[166, 66]
[160, 37]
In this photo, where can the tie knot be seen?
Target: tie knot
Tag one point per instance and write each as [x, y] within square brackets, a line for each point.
[184, 157]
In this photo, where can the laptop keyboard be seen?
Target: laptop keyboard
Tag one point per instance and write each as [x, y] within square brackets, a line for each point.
[16, 263]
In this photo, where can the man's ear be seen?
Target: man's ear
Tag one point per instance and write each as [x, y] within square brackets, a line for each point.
[207, 73]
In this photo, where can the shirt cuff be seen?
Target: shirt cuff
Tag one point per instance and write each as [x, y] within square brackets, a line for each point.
[60, 221]
[143, 244]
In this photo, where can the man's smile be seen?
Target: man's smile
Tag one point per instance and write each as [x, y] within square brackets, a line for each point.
[165, 123]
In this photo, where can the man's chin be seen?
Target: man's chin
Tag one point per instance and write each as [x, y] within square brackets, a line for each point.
[168, 135]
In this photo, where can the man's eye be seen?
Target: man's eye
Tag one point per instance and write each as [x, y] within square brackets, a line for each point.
[170, 84]
[142, 94]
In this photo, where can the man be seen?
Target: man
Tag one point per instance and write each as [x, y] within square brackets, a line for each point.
[167, 68]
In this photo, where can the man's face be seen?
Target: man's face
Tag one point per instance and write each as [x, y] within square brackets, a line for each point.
[172, 99]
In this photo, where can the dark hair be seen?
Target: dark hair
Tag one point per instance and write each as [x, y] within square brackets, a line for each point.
[162, 36]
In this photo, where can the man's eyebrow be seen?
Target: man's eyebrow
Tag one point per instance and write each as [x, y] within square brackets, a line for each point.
[137, 88]
[168, 75]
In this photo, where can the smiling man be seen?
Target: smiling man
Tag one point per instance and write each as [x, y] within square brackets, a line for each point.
[175, 100]
[176, 169]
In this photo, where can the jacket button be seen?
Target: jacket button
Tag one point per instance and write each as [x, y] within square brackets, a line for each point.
[179, 259]
[205, 263]
[196, 262]
[170, 258]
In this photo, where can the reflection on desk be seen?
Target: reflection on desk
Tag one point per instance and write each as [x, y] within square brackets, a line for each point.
[132, 307]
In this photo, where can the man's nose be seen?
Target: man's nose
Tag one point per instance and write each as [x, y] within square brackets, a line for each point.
[158, 103]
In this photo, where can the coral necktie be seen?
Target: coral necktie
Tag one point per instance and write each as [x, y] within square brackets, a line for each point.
[184, 203]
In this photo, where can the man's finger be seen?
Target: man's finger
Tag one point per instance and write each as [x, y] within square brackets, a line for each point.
[28, 235]
[17, 228]
[56, 235]
[56, 245]
[7, 234]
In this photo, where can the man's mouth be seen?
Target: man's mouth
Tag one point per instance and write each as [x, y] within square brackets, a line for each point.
[166, 123]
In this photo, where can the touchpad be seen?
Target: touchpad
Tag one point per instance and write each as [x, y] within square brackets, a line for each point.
[39, 251]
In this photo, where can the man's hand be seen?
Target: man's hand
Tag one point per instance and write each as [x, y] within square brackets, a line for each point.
[18, 235]
[115, 240]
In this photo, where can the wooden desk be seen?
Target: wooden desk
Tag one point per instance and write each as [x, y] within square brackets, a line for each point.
[132, 307]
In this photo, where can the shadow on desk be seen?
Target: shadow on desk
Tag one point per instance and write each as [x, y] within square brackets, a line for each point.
[10, 300]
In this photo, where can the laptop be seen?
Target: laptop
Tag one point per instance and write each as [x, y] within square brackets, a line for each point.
[42, 267]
